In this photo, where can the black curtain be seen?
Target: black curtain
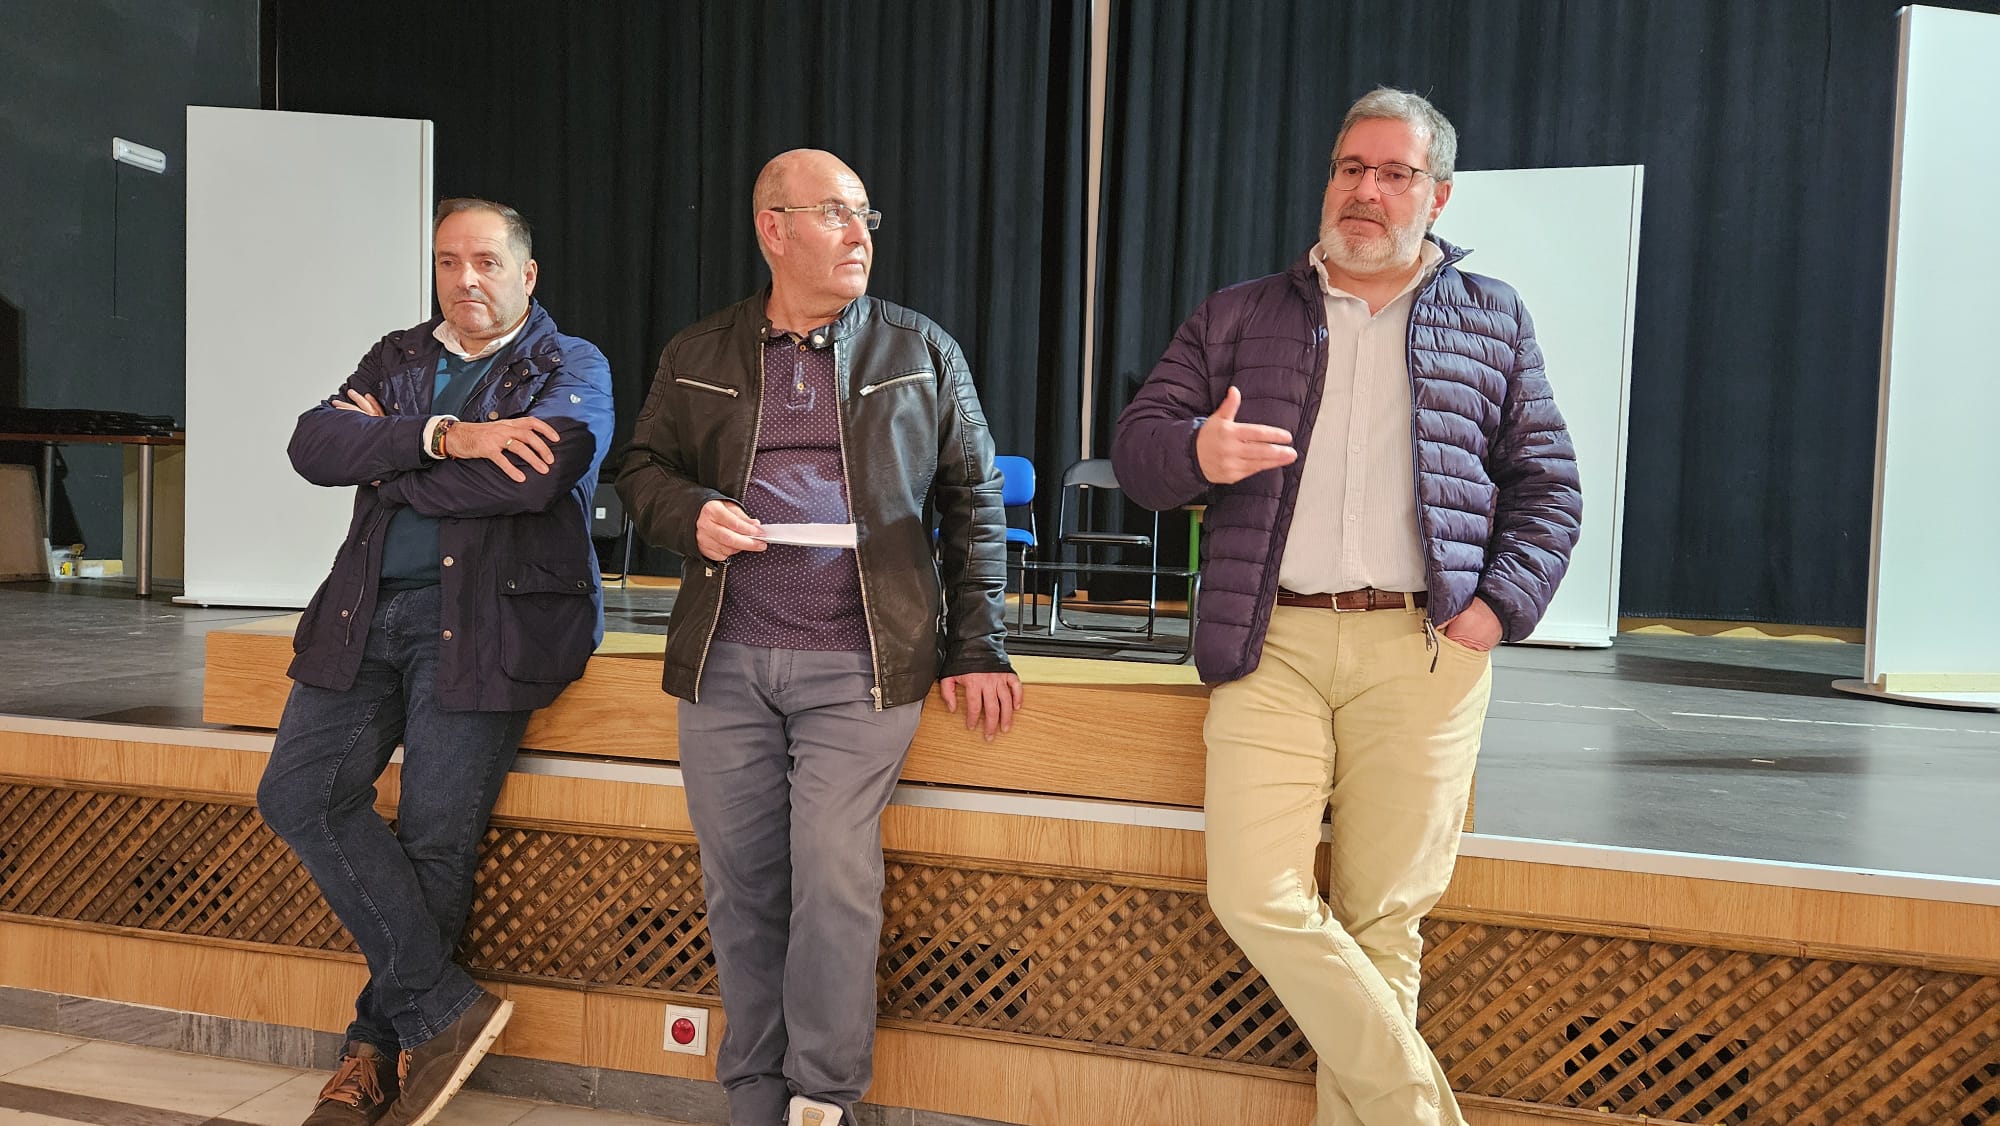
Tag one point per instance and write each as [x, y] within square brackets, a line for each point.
[630, 133]
[1766, 131]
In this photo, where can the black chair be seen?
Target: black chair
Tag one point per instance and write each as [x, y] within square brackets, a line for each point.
[609, 522]
[1081, 549]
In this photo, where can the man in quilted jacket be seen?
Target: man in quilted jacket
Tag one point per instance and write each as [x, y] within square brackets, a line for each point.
[1391, 492]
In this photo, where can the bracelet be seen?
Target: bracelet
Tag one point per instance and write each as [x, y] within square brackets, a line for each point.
[438, 447]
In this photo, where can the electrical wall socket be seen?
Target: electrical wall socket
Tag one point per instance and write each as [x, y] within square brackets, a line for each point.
[686, 1030]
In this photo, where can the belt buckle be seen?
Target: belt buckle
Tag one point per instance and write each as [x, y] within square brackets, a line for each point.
[1367, 601]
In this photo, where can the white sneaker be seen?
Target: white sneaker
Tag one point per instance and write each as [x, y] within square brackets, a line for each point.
[810, 1112]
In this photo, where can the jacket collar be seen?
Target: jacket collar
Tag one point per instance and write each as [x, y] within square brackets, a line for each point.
[844, 326]
[1306, 279]
[535, 350]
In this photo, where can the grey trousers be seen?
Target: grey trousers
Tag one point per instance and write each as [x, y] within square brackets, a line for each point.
[788, 768]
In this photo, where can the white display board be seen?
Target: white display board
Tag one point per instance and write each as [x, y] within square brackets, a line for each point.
[308, 239]
[1933, 630]
[1568, 240]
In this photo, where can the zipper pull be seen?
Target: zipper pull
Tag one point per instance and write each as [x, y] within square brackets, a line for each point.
[877, 693]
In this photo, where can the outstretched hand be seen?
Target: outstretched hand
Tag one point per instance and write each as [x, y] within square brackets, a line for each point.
[1229, 451]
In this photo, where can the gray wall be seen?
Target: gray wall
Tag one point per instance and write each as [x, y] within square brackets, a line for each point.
[91, 251]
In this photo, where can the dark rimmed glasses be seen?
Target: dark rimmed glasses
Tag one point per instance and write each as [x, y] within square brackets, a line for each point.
[1392, 177]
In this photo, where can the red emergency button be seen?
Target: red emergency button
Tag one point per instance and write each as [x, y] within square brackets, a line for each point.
[682, 1031]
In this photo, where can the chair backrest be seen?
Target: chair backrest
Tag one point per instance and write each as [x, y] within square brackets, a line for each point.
[1017, 480]
[1091, 473]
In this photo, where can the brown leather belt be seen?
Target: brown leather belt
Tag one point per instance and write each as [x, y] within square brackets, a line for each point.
[1367, 598]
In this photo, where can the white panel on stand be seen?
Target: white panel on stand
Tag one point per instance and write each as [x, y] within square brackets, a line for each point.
[308, 238]
[1933, 626]
[1568, 240]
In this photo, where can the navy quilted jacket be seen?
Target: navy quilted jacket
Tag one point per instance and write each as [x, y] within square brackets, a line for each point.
[1498, 502]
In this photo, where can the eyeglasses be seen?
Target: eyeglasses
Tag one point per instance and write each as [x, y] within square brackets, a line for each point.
[838, 215]
[1391, 177]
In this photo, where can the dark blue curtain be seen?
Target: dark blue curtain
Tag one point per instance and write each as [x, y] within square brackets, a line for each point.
[1765, 129]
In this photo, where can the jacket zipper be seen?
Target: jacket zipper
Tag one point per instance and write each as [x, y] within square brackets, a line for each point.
[874, 387]
[749, 466]
[861, 576]
[1416, 458]
[717, 388]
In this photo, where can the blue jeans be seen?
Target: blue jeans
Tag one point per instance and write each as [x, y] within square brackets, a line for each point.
[788, 767]
[403, 894]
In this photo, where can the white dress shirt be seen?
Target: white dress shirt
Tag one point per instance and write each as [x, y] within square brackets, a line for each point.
[1355, 524]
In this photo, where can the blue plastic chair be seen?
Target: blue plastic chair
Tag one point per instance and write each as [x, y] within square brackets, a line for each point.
[1017, 490]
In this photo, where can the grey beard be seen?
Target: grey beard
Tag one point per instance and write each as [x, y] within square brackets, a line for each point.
[1396, 247]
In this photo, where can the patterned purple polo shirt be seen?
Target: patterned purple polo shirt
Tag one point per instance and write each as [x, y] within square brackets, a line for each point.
[789, 597]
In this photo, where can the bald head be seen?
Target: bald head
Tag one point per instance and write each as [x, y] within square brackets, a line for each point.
[776, 181]
[818, 263]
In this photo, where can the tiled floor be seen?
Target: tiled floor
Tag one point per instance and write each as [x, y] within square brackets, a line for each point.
[46, 1078]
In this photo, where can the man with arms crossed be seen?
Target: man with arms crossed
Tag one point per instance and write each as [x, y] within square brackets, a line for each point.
[801, 671]
[1392, 492]
[464, 596]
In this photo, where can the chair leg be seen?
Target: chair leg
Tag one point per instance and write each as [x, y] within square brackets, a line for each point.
[1194, 615]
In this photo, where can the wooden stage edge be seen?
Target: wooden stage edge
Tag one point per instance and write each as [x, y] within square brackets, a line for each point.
[1048, 957]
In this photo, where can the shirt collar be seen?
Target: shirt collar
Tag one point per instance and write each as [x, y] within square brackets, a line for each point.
[448, 336]
[1428, 258]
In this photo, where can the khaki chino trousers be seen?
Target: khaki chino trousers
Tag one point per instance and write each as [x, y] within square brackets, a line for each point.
[1365, 714]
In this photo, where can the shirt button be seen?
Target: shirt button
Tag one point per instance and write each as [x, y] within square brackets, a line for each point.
[491, 415]
[1352, 517]
[802, 345]
[448, 560]
[447, 635]
[818, 340]
[508, 383]
[343, 613]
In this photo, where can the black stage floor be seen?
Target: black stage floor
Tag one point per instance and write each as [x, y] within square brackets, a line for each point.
[1706, 745]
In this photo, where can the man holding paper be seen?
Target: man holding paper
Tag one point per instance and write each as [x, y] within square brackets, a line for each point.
[821, 461]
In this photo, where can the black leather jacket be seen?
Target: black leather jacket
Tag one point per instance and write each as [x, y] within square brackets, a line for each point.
[917, 456]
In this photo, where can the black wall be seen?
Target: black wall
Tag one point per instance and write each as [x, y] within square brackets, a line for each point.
[92, 252]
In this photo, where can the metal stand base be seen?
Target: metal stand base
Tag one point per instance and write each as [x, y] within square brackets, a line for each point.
[1968, 701]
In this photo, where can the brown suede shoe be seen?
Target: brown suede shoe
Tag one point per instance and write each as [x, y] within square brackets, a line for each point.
[360, 1091]
[433, 1071]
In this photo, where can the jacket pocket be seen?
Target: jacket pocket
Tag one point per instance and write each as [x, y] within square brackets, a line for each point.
[548, 624]
[924, 375]
[704, 385]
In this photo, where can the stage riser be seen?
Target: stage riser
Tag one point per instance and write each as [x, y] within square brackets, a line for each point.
[1020, 946]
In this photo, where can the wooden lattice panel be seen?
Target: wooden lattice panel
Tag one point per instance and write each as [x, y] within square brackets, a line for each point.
[1696, 1033]
[157, 862]
[1564, 1016]
[591, 910]
[1057, 956]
